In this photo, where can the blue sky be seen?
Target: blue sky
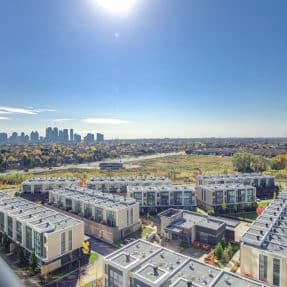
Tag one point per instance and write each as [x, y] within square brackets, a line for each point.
[168, 68]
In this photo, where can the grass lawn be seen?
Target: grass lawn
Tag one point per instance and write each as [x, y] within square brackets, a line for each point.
[264, 203]
[93, 257]
[179, 168]
[250, 217]
[201, 211]
[146, 231]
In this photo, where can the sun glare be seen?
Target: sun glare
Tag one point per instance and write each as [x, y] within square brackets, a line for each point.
[117, 6]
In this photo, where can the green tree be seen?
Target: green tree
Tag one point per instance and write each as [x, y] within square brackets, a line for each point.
[5, 241]
[33, 261]
[225, 256]
[18, 253]
[218, 251]
[279, 162]
[229, 250]
[247, 162]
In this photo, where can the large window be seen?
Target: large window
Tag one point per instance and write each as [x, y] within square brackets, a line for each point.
[138, 197]
[115, 279]
[87, 210]
[77, 207]
[99, 214]
[276, 272]
[1, 221]
[164, 198]
[68, 204]
[150, 200]
[111, 218]
[19, 231]
[63, 243]
[262, 267]
[29, 238]
[70, 242]
[231, 196]
[38, 243]
[10, 226]
[177, 198]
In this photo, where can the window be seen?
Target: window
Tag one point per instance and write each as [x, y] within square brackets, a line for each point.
[98, 214]
[132, 216]
[68, 204]
[276, 272]
[177, 198]
[115, 279]
[150, 199]
[19, 231]
[77, 207]
[63, 243]
[164, 198]
[29, 238]
[38, 243]
[87, 211]
[1, 221]
[111, 218]
[262, 267]
[70, 243]
[10, 226]
[138, 197]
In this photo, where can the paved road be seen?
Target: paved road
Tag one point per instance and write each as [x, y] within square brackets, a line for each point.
[101, 247]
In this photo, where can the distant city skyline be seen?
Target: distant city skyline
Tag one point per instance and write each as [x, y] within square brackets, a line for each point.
[52, 135]
[164, 69]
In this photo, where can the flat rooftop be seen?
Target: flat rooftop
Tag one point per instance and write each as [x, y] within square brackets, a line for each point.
[234, 176]
[38, 217]
[95, 198]
[158, 266]
[166, 187]
[127, 179]
[189, 219]
[220, 187]
[52, 180]
[269, 231]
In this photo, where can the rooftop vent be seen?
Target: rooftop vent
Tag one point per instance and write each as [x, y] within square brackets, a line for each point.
[261, 232]
[155, 271]
[128, 258]
[267, 225]
[189, 284]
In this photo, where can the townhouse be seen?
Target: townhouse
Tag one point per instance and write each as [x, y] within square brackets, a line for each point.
[106, 216]
[157, 198]
[56, 238]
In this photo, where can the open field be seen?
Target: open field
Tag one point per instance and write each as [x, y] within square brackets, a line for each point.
[179, 168]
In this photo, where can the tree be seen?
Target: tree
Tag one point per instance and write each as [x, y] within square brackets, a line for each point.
[5, 241]
[33, 261]
[247, 162]
[218, 251]
[18, 253]
[279, 162]
[229, 250]
[225, 256]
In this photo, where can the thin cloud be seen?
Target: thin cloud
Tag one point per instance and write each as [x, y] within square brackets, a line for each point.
[62, 120]
[4, 118]
[103, 121]
[25, 111]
